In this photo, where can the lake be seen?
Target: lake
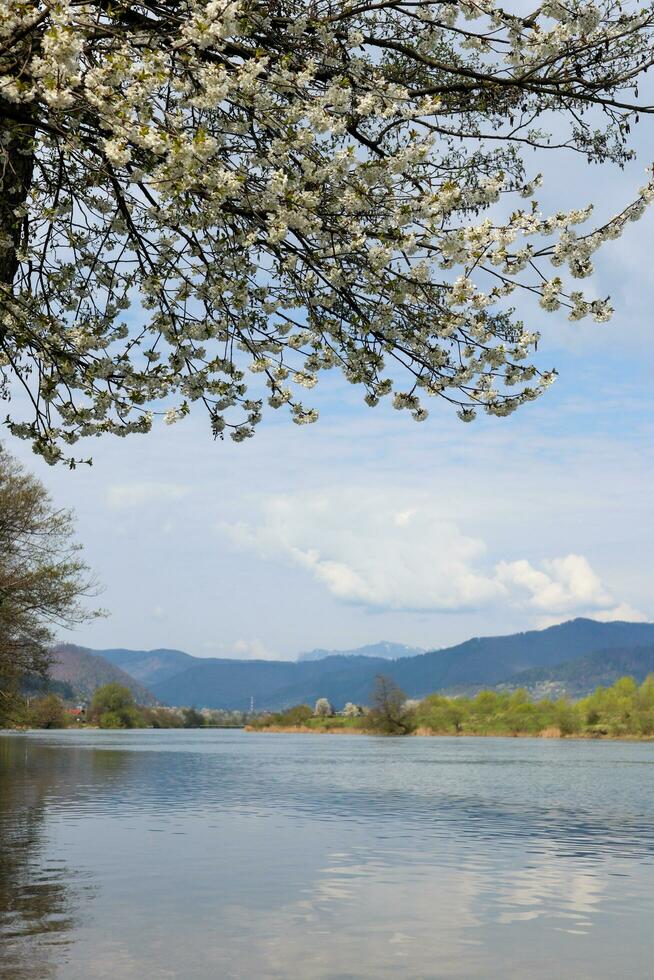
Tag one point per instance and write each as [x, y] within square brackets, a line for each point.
[225, 854]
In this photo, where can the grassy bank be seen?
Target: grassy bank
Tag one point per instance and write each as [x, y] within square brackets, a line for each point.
[624, 710]
[335, 725]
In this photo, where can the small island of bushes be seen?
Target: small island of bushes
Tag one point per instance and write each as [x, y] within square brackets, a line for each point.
[625, 710]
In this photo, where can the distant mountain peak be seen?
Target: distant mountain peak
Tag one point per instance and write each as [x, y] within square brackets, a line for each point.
[384, 650]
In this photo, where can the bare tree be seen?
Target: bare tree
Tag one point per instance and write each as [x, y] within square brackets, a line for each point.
[388, 711]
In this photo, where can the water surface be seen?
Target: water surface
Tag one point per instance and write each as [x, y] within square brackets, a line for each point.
[159, 855]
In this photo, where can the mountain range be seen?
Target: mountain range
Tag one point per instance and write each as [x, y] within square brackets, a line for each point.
[570, 658]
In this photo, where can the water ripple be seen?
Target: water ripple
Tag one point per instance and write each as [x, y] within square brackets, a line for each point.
[213, 854]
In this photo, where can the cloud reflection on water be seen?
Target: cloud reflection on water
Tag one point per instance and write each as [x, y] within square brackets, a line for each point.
[302, 858]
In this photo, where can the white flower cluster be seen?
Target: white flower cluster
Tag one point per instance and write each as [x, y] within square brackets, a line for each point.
[291, 192]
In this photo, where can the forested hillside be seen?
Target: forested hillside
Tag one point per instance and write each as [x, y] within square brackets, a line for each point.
[579, 678]
[86, 671]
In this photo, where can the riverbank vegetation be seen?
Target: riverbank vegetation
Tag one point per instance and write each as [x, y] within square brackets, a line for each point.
[112, 706]
[624, 710]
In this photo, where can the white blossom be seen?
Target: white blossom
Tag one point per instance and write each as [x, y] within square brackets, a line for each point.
[270, 211]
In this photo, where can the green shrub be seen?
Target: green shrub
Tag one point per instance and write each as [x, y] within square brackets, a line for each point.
[47, 712]
[113, 706]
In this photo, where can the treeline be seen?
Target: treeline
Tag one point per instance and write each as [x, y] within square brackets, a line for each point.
[623, 710]
[113, 706]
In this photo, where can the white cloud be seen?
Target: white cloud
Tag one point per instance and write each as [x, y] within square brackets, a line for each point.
[379, 549]
[561, 585]
[244, 648]
[366, 548]
[623, 611]
[253, 649]
[125, 496]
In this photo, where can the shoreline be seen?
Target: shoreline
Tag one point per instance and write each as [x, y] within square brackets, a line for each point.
[546, 734]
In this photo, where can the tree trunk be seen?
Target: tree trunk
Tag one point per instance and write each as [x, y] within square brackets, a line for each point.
[16, 171]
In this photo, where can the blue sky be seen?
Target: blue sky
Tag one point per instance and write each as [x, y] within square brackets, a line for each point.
[368, 525]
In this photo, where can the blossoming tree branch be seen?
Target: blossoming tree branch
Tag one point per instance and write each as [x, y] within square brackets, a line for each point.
[195, 192]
